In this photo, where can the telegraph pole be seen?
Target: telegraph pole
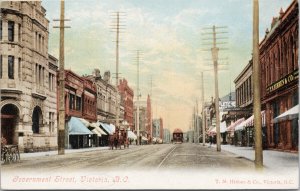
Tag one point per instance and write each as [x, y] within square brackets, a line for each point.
[203, 113]
[138, 95]
[151, 110]
[61, 112]
[117, 27]
[256, 84]
[215, 52]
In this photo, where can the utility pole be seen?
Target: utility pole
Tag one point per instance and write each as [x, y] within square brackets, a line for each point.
[215, 51]
[256, 85]
[138, 95]
[203, 113]
[117, 27]
[151, 110]
[61, 112]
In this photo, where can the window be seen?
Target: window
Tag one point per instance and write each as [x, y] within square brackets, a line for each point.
[72, 101]
[78, 103]
[10, 67]
[19, 68]
[19, 32]
[51, 121]
[11, 31]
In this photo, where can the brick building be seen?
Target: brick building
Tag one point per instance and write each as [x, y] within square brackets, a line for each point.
[279, 77]
[127, 95]
[27, 77]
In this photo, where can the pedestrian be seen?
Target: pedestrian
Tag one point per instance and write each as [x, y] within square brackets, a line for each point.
[210, 140]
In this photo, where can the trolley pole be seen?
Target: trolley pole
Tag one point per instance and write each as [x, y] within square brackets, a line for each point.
[256, 84]
[117, 70]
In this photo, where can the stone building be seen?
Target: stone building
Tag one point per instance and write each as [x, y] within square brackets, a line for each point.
[27, 77]
[143, 122]
[127, 98]
[158, 128]
[279, 77]
[107, 97]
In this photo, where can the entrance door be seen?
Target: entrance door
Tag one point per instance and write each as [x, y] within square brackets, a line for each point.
[9, 119]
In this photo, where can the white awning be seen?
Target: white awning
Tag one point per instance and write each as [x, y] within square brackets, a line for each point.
[85, 122]
[292, 113]
[97, 127]
[95, 131]
[131, 135]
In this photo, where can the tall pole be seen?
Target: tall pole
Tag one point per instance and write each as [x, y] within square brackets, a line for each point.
[151, 112]
[215, 51]
[61, 114]
[117, 70]
[203, 114]
[138, 95]
[256, 84]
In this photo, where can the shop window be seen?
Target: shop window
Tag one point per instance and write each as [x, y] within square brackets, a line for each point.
[11, 67]
[11, 31]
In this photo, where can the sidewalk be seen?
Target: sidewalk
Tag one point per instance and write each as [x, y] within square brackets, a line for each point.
[49, 153]
[272, 159]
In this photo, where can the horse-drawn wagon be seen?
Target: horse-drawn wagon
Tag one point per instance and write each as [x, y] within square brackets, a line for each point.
[118, 139]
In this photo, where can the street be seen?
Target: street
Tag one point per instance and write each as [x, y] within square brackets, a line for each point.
[146, 157]
[160, 166]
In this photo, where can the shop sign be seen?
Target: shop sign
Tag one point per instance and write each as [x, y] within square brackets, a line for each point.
[283, 81]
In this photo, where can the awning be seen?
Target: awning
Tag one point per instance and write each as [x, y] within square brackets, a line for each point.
[85, 122]
[144, 138]
[106, 127]
[290, 114]
[234, 124]
[76, 127]
[112, 127]
[97, 126]
[131, 135]
[250, 122]
[95, 131]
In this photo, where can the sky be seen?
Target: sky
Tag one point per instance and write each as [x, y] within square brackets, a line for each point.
[171, 36]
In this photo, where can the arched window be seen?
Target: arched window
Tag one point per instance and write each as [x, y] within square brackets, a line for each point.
[37, 119]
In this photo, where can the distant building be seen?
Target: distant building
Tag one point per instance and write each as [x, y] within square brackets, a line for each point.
[157, 128]
[149, 116]
[142, 119]
[127, 95]
[167, 136]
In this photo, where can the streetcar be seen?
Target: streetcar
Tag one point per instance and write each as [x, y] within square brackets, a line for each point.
[177, 136]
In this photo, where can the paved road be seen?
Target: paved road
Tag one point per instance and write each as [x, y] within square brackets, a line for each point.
[146, 157]
[166, 166]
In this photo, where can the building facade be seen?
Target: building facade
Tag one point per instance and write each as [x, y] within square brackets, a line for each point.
[279, 77]
[107, 97]
[27, 77]
[244, 87]
[143, 122]
[167, 136]
[127, 95]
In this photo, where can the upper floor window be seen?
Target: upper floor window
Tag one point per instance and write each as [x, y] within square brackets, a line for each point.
[11, 31]
[11, 67]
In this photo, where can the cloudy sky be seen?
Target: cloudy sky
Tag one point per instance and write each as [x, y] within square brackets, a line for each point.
[170, 35]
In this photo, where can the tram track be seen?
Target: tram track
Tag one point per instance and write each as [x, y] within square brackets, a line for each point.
[166, 157]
